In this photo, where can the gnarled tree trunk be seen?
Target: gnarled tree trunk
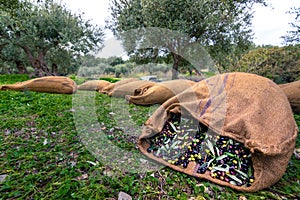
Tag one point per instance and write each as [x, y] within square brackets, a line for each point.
[54, 68]
[21, 68]
[38, 63]
[176, 60]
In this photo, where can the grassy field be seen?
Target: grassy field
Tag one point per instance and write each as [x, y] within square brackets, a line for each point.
[46, 153]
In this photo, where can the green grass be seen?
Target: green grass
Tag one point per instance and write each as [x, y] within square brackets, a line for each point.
[46, 154]
[112, 80]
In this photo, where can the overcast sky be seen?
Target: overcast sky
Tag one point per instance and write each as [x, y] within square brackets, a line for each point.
[269, 23]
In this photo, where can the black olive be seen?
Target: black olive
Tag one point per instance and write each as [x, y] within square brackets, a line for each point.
[177, 163]
[185, 164]
[202, 169]
[149, 150]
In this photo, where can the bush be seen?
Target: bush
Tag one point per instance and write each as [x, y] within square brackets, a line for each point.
[112, 80]
[281, 64]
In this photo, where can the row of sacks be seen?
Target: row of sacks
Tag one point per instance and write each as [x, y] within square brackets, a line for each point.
[248, 109]
[139, 92]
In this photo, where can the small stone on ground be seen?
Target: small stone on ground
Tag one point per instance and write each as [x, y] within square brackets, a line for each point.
[124, 196]
[3, 177]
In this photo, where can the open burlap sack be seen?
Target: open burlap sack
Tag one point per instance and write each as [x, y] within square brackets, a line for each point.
[94, 85]
[247, 108]
[292, 91]
[159, 93]
[108, 89]
[47, 84]
[129, 88]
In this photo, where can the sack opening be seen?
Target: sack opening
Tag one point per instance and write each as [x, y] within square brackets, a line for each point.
[184, 141]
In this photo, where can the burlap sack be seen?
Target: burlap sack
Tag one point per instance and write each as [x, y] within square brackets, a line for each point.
[48, 84]
[245, 107]
[121, 91]
[292, 91]
[108, 89]
[94, 85]
[159, 93]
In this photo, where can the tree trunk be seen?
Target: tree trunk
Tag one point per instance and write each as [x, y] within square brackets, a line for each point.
[21, 68]
[41, 69]
[176, 60]
[118, 75]
[54, 68]
[155, 57]
[190, 70]
[39, 64]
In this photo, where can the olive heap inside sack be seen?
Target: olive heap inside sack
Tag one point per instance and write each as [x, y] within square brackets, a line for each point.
[186, 140]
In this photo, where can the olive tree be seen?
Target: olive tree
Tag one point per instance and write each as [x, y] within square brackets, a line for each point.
[219, 26]
[46, 27]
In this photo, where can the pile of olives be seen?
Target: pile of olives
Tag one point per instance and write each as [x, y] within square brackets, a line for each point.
[185, 140]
